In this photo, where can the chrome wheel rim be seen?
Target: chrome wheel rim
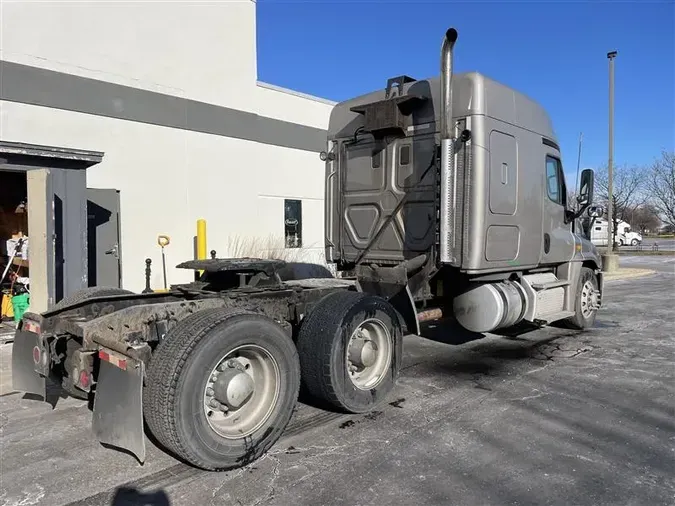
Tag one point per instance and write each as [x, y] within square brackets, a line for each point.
[588, 299]
[241, 391]
[369, 354]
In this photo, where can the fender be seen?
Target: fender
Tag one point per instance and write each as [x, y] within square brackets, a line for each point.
[396, 285]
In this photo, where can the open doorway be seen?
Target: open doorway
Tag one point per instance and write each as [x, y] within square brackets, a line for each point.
[14, 265]
[50, 185]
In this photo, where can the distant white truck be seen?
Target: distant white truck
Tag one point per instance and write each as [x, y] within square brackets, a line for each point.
[628, 237]
[624, 235]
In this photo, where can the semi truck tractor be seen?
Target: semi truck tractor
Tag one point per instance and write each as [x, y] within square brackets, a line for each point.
[624, 236]
[444, 198]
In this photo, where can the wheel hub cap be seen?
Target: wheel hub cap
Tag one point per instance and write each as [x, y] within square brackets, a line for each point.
[233, 388]
[589, 299]
[363, 353]
[241, 391]
[369, 354]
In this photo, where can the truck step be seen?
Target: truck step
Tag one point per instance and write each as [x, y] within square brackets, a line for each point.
[548, 318]
[552, 284]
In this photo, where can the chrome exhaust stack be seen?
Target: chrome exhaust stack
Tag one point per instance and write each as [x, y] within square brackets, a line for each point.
[448, 189]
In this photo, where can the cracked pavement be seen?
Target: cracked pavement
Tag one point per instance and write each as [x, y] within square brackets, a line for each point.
[546, 417]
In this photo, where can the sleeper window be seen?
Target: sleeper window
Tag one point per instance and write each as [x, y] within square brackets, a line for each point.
[555, 184]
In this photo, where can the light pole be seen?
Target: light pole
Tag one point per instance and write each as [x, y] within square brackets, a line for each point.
[610, 172]
[576, 185]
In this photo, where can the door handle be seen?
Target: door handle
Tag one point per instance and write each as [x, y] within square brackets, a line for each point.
[112, 251]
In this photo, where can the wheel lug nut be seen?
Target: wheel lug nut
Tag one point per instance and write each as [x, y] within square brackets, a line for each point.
[214, 403]
[222, 367]
[232, 363]
[209, 392]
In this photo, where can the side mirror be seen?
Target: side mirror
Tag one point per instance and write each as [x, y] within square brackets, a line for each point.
[585, 197]
[595, 211]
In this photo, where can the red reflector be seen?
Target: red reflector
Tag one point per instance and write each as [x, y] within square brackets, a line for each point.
[84, 379]
[36, 354]
[31, 327]
[114, 360]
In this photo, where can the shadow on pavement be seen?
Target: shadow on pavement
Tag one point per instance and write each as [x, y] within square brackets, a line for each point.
[127, 496]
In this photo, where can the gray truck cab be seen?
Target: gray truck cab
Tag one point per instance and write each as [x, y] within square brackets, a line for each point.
[444, 197]
[459, 176]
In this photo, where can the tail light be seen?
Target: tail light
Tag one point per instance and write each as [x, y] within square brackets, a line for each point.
[37, 354]
[84, 380]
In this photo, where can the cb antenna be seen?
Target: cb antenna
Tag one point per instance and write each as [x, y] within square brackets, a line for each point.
[576, 183]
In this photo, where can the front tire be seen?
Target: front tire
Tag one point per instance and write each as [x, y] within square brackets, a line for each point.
[221, 388]
[585, 301]
[350, 348]
[634, 242]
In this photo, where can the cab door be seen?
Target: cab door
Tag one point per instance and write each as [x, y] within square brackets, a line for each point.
[558, 239]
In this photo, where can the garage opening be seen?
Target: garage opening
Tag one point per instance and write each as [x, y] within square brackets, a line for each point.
[14, 264]
[43, 225]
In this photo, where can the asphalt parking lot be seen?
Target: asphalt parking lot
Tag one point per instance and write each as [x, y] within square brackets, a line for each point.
[548, 417]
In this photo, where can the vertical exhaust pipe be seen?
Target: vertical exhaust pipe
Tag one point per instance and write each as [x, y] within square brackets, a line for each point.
[448, 178]
[446, 82]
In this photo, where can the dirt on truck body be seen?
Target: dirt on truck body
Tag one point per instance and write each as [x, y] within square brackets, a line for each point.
[445, 197]
[103, 340]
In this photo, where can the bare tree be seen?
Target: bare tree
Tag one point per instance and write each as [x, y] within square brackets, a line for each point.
[661, 186]
[644, 218]
[627, 192]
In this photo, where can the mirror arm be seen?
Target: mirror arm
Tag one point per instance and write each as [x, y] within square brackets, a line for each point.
[570, 216]
[581, 210]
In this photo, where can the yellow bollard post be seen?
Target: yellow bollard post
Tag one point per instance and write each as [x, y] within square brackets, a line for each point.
[201, 241]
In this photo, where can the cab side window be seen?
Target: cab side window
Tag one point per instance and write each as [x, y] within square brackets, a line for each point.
[555, 181]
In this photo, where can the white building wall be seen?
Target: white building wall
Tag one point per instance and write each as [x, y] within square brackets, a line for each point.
[169, 177]
[202, 50]
[166, 184]
[287, 105]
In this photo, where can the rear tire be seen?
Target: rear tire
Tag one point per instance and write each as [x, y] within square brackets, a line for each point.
[200, 350]
[584, 316]
[331, 345]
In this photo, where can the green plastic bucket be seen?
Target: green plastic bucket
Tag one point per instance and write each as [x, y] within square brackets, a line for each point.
[19, 305]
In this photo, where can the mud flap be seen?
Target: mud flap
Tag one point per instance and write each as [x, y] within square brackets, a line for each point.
[118, 406]
[24, 376]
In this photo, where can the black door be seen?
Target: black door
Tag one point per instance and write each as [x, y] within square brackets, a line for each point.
[103, 233]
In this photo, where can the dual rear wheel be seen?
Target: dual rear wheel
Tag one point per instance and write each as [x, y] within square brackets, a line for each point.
[350, 348]
[222, 385]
